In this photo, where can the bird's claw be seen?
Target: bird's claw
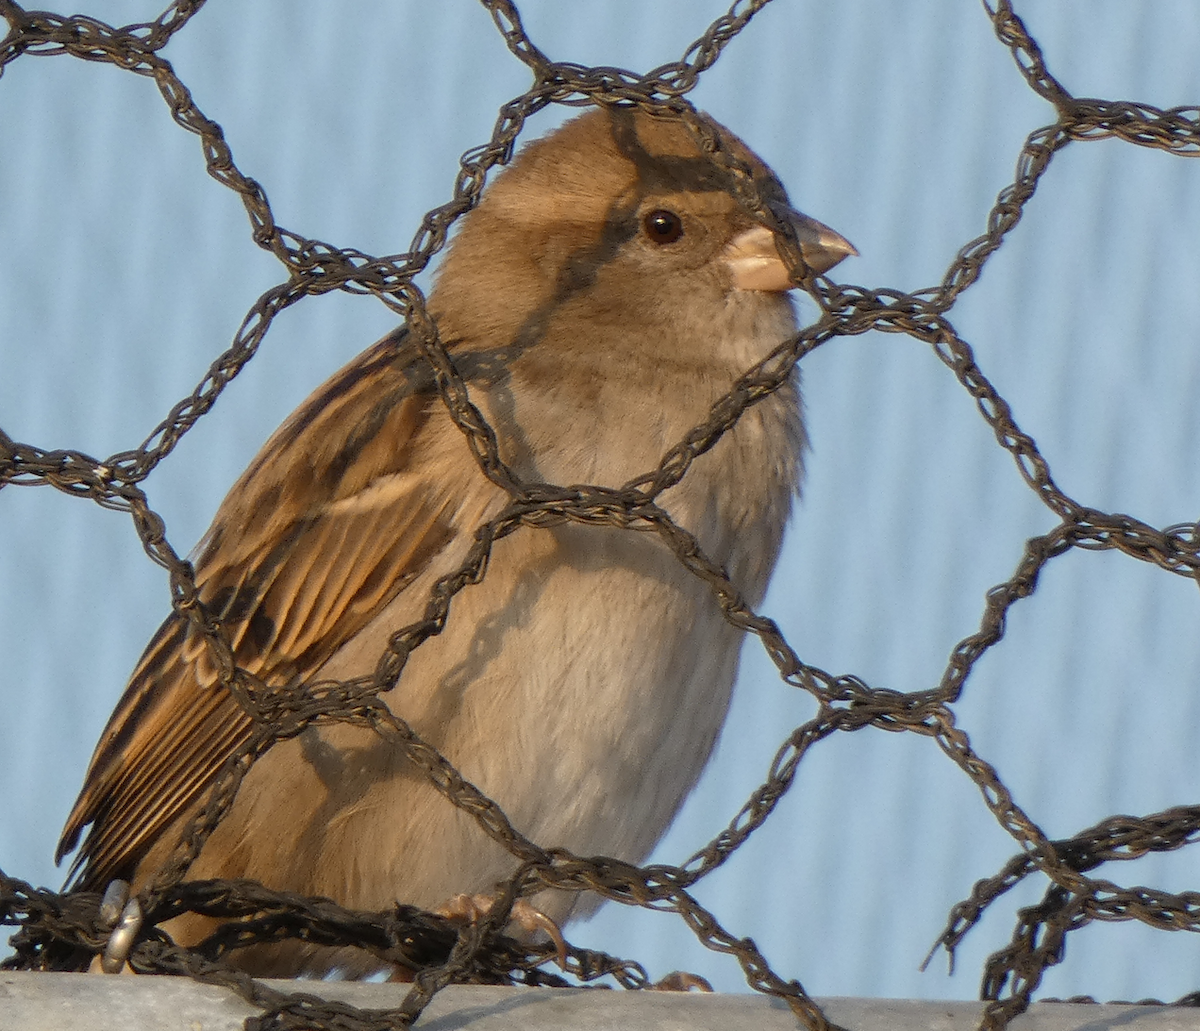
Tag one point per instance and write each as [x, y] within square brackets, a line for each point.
[682, 981]
[471, 908]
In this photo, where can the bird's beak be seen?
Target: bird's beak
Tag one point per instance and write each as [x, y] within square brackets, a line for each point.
[754, 260]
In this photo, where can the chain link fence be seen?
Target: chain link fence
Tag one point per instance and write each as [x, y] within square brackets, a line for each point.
[53, 928]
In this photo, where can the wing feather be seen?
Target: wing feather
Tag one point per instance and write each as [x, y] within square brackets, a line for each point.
[336, 515]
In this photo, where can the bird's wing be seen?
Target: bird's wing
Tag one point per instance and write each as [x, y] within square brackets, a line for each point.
[337, 514]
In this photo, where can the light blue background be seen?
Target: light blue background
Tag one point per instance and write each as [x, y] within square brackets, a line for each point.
[124, 270]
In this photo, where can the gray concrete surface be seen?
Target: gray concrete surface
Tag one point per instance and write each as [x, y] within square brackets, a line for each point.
[65, 1002]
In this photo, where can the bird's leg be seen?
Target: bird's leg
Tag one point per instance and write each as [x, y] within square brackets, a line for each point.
[470, 908]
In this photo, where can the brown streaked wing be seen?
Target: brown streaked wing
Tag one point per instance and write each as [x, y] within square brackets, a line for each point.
[334, 517]
[150, 764]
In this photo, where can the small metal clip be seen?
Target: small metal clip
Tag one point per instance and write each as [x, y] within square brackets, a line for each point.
[127, 916]
[115, 897]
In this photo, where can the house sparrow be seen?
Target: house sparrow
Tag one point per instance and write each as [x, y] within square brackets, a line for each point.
[605, 292]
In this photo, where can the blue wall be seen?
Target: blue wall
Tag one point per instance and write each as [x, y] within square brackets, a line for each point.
[125, 269]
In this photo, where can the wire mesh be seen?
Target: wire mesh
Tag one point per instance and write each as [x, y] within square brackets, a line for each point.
[52, 927]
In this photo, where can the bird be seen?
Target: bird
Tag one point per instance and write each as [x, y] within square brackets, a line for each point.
[607, 289]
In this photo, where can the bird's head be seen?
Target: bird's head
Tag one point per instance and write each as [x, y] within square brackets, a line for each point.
[619, 219]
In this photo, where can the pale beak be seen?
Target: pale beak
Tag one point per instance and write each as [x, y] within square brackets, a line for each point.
[754, 260]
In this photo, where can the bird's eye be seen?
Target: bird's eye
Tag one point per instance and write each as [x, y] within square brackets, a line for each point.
[663, 226]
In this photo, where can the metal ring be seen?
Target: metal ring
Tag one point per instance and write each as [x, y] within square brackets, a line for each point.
[121, 940]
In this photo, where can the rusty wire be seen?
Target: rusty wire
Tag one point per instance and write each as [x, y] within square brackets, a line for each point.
[55, 929]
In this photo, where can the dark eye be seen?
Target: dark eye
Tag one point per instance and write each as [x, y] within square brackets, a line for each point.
[663, 226]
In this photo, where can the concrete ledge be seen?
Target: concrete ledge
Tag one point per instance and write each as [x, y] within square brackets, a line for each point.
[57, 1002]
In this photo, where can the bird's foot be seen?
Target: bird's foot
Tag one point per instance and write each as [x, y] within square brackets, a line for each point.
[472, 908]
[682, 981]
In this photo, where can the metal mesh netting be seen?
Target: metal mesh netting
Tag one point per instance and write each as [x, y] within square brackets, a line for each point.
[50, 923]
